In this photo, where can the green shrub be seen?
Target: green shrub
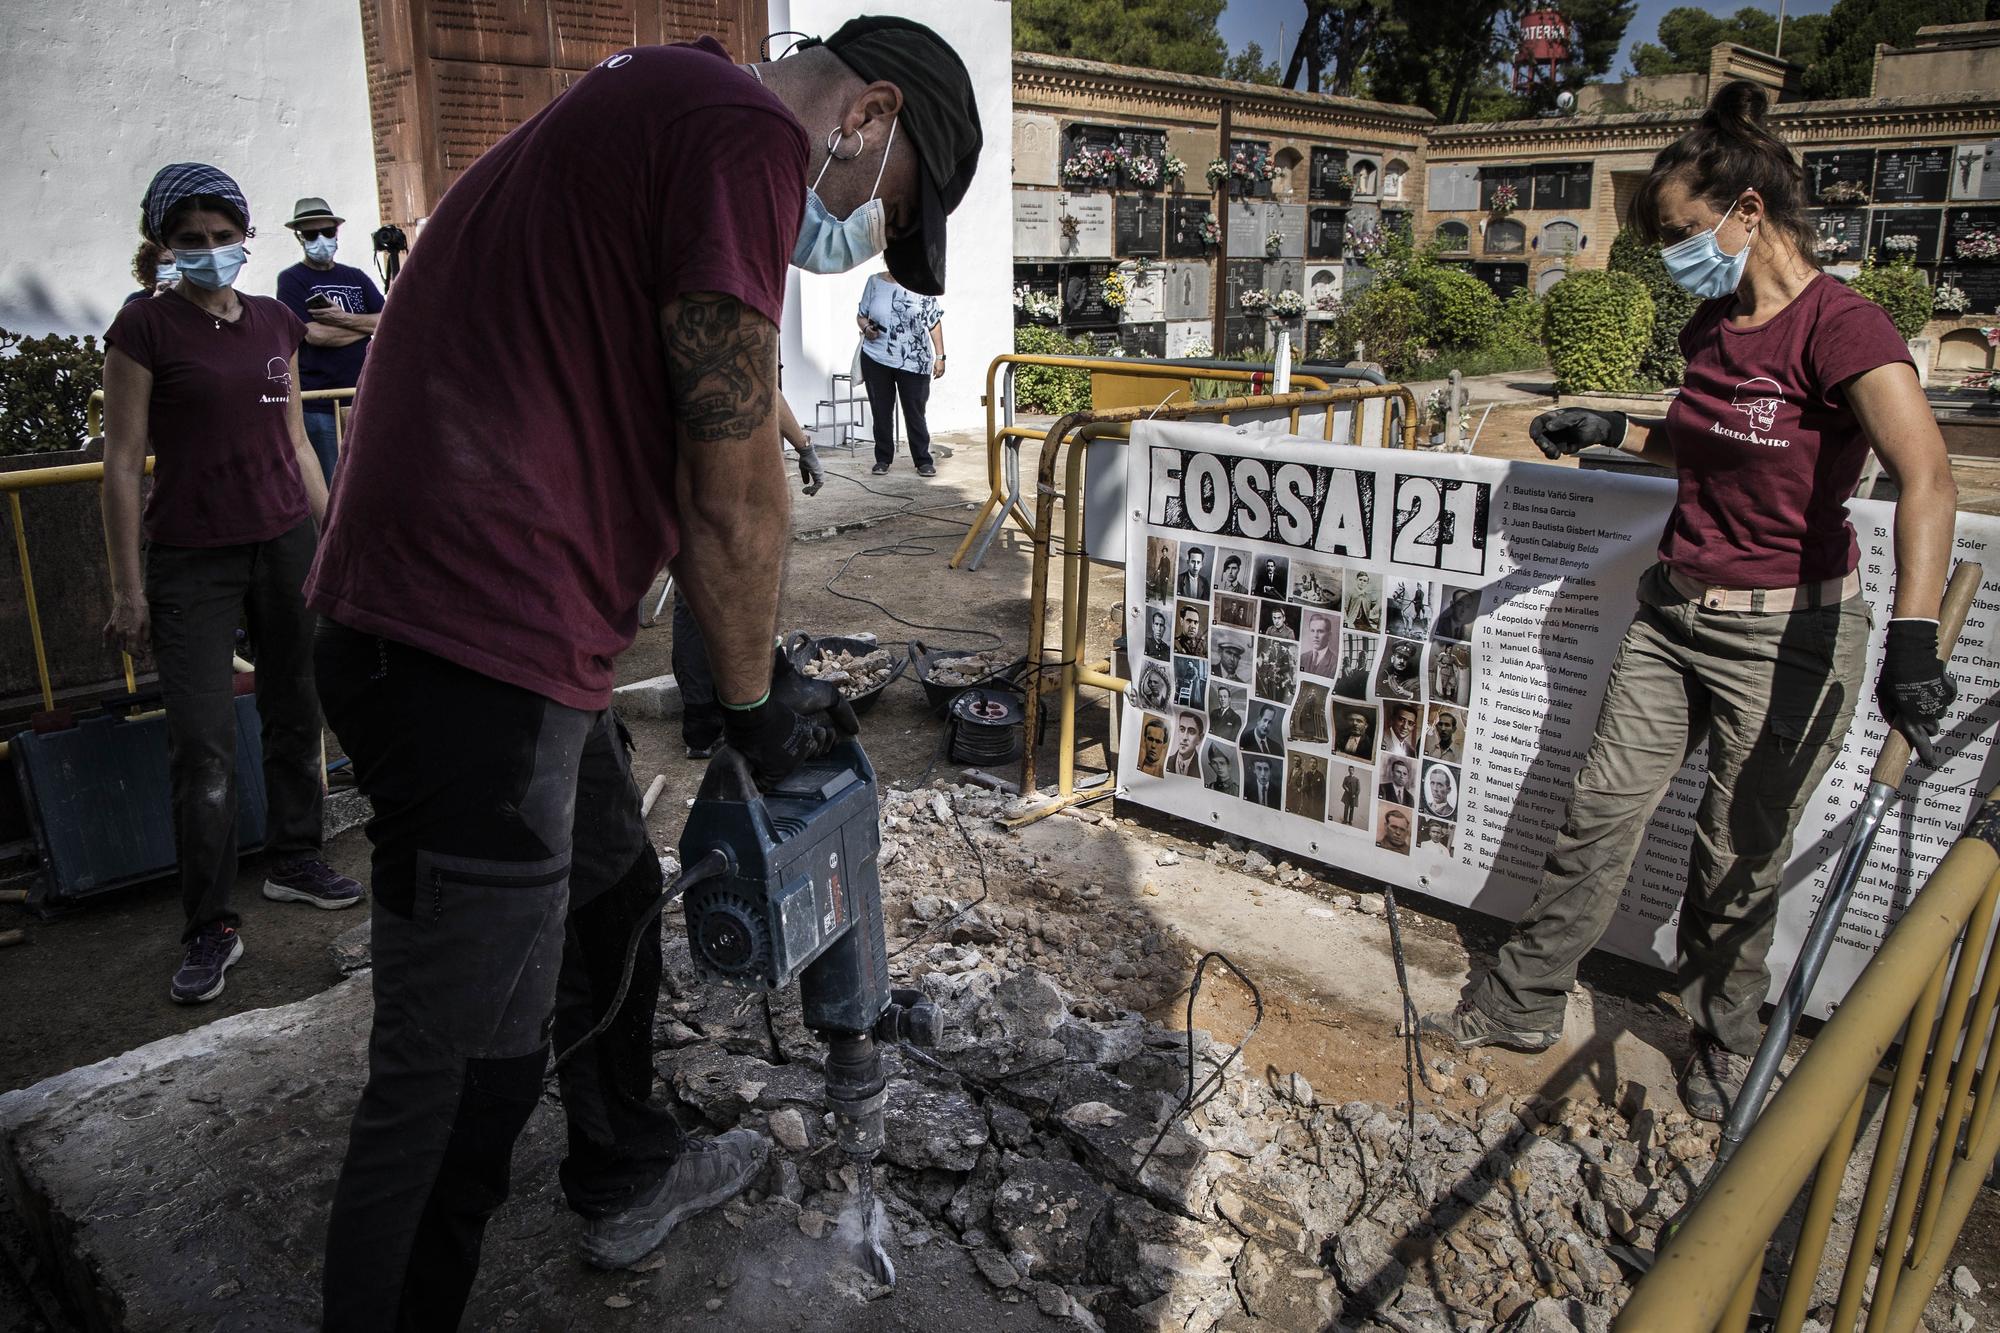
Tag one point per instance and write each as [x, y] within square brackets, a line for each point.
[1053, 390]
[1596, 325]
[45, 388]
[1899, 289]
[1673, 305]
[1459, 309]
[1386, 322]
[1517, 330]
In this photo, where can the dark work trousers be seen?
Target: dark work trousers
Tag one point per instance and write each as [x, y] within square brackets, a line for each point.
[885, 385]
[511, 868]
[701, 714]
[199, 595]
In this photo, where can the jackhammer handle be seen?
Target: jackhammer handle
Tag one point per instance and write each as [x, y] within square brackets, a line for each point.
[1958, 594]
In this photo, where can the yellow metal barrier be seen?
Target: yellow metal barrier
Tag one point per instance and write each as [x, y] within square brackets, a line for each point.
[1078, 430]
[12, 484]
[1004, 438]
[1933, 987]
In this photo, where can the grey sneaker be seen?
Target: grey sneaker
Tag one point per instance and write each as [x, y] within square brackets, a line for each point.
[210, 954]
[311, 881]
[1468, 1026]
[707, 1172]
[1712, 1080]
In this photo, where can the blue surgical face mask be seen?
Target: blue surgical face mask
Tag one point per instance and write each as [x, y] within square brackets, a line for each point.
[1701, 267]
[166, 275]
[834, 245]
[320, 249]
[211, 269]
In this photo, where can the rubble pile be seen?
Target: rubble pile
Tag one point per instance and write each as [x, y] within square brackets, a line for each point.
[1049, 1134]
[853, 675]
[972, 669]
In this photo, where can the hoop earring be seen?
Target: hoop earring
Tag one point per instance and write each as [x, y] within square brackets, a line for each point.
[833, 141]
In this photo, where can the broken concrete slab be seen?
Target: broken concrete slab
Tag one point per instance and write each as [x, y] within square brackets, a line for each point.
[654, 697]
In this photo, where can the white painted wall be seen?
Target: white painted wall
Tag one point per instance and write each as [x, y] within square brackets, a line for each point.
[819, 334]
[96, 95]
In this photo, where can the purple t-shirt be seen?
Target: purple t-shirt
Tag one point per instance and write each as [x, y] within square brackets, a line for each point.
[508, 491]
[1767, 448]
[225, 470]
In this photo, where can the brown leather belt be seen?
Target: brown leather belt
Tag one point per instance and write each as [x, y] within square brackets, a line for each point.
[1765, 600]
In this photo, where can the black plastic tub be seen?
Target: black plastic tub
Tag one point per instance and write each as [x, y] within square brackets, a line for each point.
[802, 648]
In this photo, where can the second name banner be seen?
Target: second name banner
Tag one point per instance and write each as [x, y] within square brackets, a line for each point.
[1392, 663]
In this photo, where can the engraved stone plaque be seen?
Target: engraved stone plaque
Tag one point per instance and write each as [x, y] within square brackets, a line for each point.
[1183, 335]
[1035, 233]
[1187, 292]
[1146, 304]
[1322, 289]
[1289, 221]
[1285, 275]
[1247, 226]
[1094, 226]
[1037, 150]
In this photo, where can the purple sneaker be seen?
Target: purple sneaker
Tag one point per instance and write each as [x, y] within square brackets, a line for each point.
[209, 955]
[311, 881]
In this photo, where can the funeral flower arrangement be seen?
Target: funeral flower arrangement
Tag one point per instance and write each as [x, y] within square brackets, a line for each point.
[1900, 244]
[1117, 290]
[1979, 243]
[1143, 172]
[1362, 243]
[1844, 192]
[1091, 166]
[1505, 200]
[1287, 304]
[1211, 230]
[1037, 305]
[1257, 299]
[1273, 245]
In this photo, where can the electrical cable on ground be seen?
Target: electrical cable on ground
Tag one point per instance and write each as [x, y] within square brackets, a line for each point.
[1413, 1053]
[1213, 1083]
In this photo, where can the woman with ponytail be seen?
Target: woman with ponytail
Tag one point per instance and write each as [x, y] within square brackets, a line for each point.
[1751, 633]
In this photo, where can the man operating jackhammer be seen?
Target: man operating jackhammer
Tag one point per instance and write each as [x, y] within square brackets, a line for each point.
[527, 456]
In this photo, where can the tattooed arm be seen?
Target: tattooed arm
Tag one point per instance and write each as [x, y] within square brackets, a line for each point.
[735, 508]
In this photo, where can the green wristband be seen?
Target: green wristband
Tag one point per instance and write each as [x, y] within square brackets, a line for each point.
[744, 708]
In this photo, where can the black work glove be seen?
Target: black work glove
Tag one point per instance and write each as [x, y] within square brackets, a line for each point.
[1914, 690]
[800, 719]
[812, 473]
[1571, 430]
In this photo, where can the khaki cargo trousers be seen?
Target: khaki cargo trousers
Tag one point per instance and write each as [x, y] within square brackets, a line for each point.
[1772, 694]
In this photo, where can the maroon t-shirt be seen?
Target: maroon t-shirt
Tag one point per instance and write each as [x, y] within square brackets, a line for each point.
[1767, 448]
[225, 470]
[507, 496]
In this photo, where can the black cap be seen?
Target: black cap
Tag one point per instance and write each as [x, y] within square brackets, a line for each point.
[940, 118]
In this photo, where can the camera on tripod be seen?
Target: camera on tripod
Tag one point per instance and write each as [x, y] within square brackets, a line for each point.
[390, 241]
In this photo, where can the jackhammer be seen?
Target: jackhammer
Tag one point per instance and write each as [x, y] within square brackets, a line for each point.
[800, 899]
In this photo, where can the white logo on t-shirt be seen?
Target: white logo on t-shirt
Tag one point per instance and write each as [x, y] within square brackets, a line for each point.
[622, 58]
[279, 372]
[1758, 399]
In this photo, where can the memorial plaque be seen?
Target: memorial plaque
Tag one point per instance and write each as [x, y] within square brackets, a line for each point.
[1505, 236]
[1187, 292]
[1035, 230]
[1248, 225]
[1245, 275]
[589, 31]
[1094, 226]
[1492, 178]
[1243, 334]
[1845, 167]
[1146, 303]
[1257, 152]
[1926, 225]
[447, 79]
[1504, 279]
[1289, 221]
[1364, 216]
[1045, 278]
[1285, 275]
[1296, 328]
[1325, 230]
[1912, 175]
[1842, 233]
[1399, 222]
[1322, 288]
[1327, 166]
[1184, 222]
[1317, 332]
[1103, 342]
[1189, 337]
[1083, 297]
[1144, 144]
[1561, 185]
[1970, 234]
[1037, 150]
[1979, 282]
[1452, 189]
[1975, 170]
[1078, 136]
[1355, 279]
[1144, 339]
[1141, 225]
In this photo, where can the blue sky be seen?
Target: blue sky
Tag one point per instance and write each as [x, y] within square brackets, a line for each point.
[1246, 21]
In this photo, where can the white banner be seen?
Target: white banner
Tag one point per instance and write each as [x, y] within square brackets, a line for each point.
[1392, 663]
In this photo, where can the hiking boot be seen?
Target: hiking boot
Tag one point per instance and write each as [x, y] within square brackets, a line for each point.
[1712, 1079]
[1468, 1026]
[707, 1172]
[209, 955]
[927, 469]
[879, 470]
[311, 881]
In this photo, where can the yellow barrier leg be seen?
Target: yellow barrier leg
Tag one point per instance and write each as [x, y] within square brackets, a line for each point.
[28, 594]
[1818, 1220]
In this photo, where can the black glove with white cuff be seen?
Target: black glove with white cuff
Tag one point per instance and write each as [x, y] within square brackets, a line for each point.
[1571, 430]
